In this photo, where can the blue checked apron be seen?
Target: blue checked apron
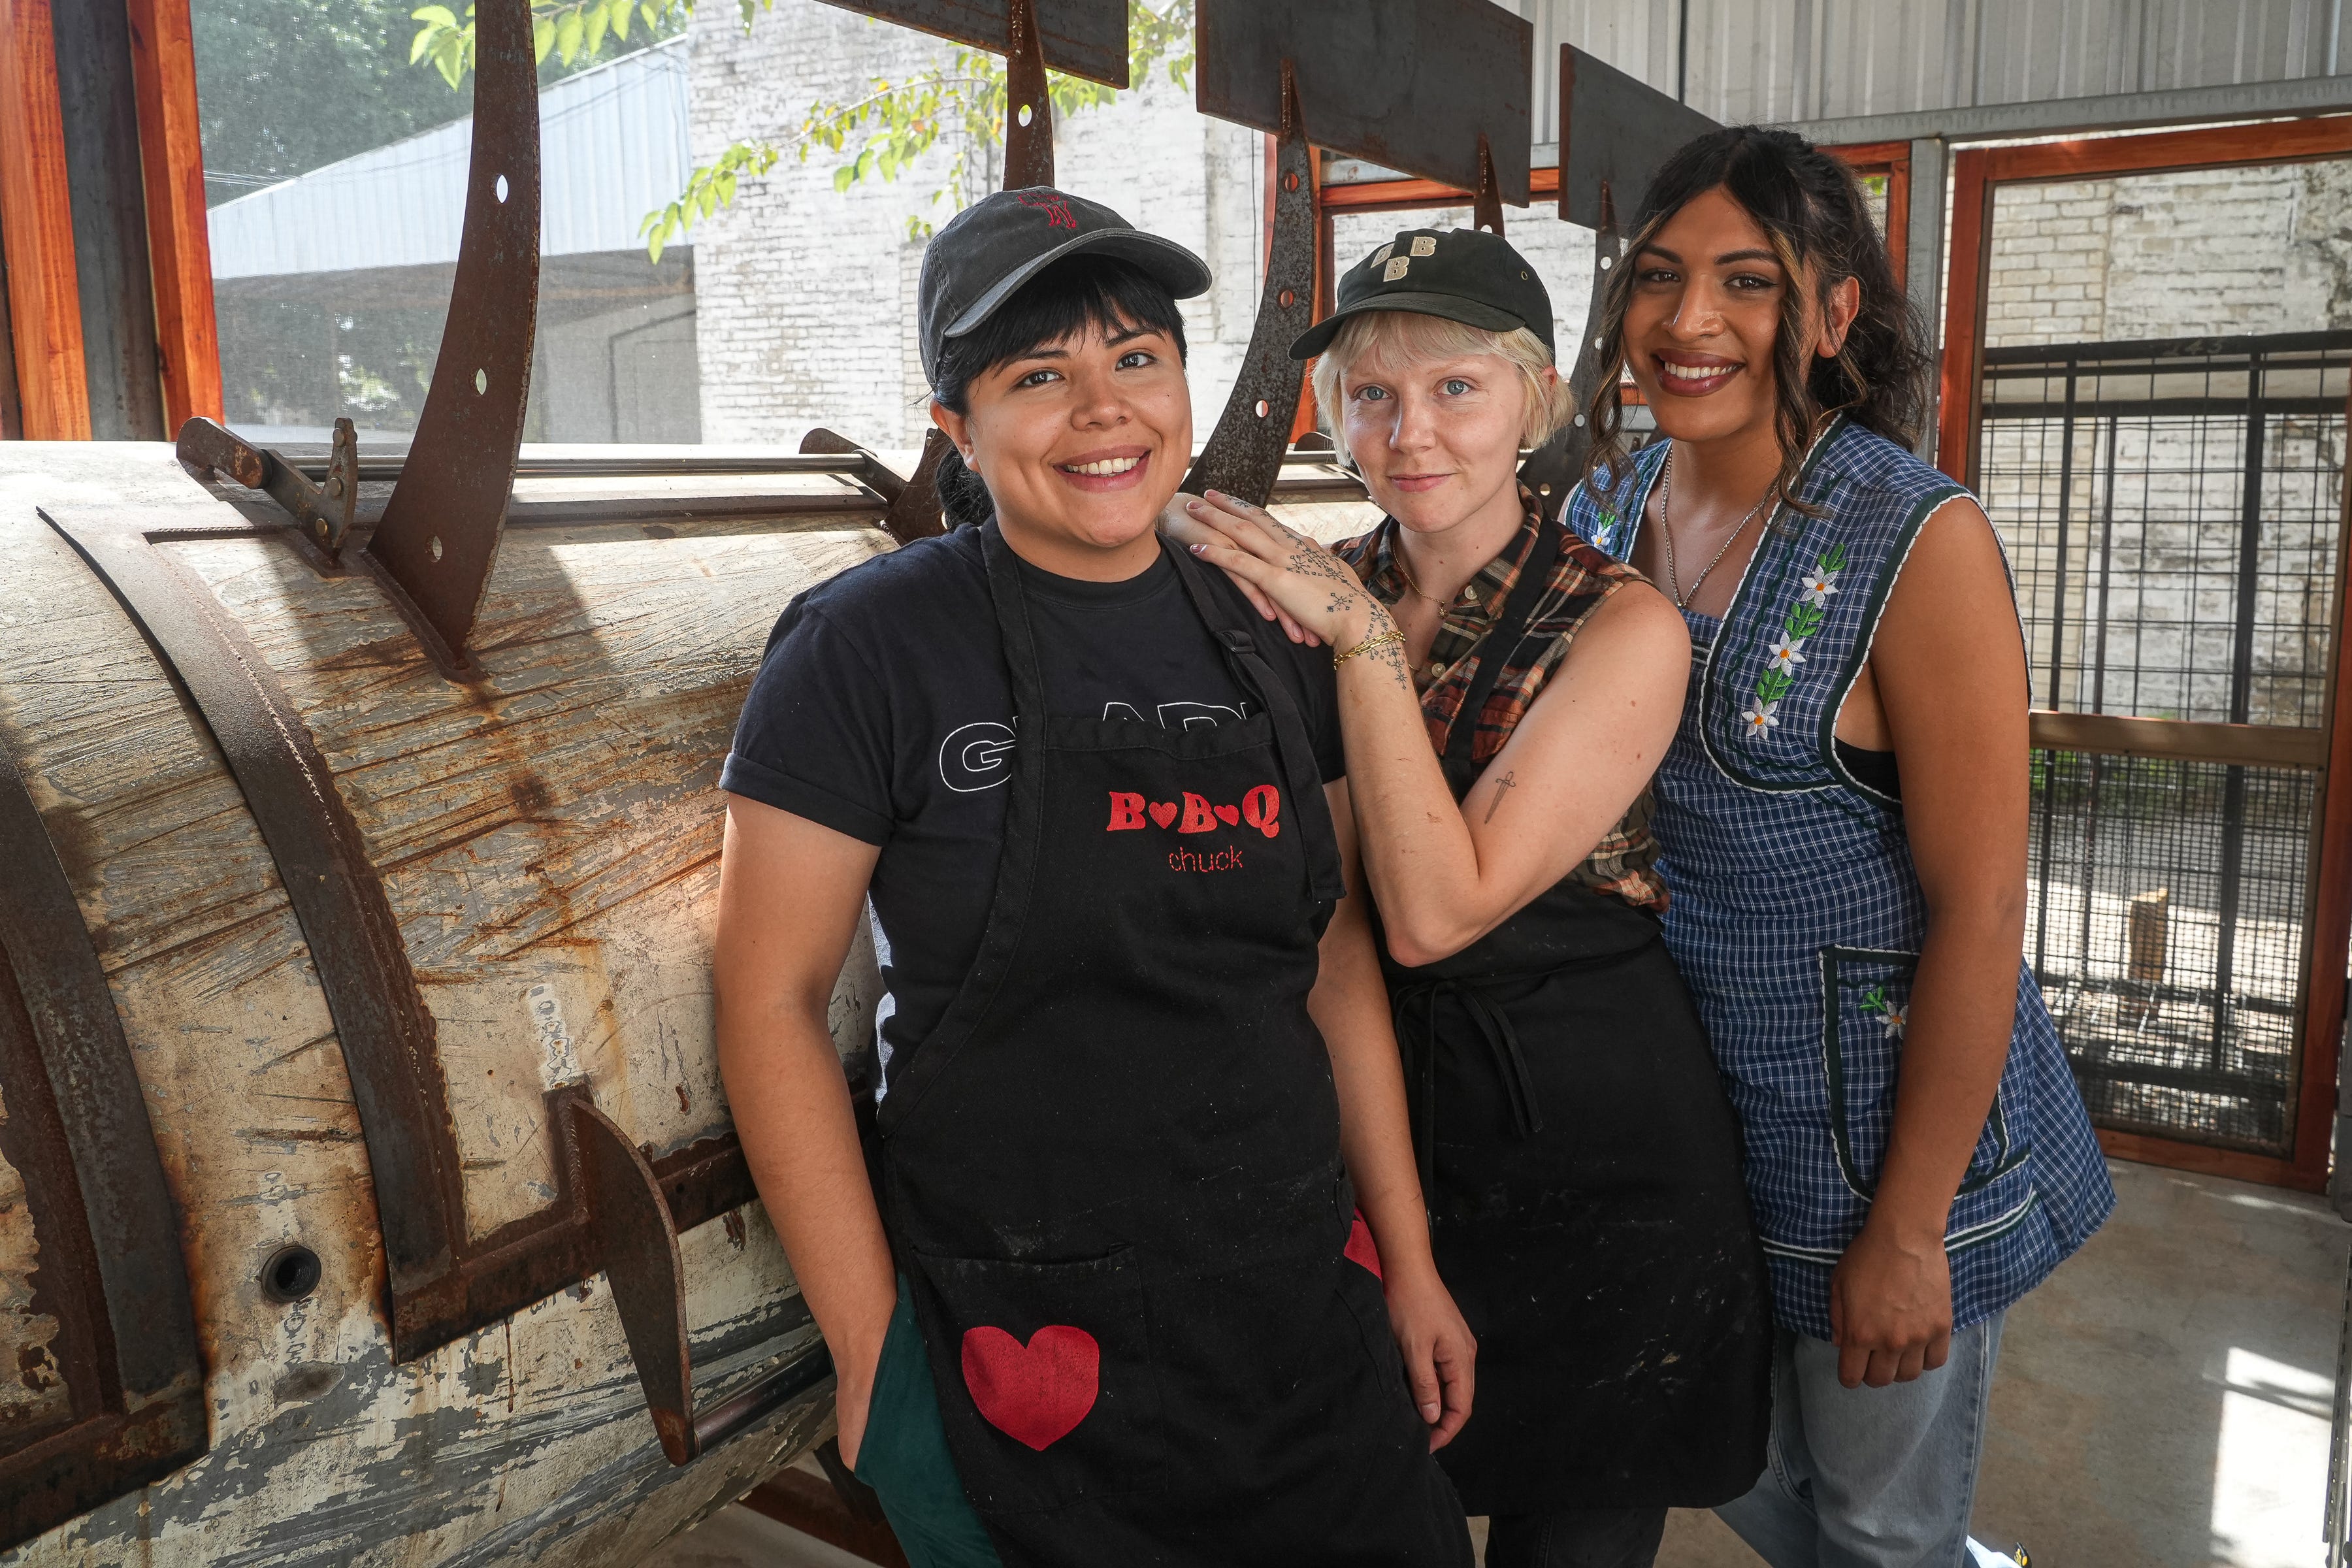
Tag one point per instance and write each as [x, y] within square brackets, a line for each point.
[1797, 916]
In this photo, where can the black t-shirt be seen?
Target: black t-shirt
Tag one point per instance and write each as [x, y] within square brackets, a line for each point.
[882, 710]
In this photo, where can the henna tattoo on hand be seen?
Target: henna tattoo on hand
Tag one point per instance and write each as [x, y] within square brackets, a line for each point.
[1503, 786]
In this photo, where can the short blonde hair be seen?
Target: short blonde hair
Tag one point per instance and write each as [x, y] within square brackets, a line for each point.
[1409, 337]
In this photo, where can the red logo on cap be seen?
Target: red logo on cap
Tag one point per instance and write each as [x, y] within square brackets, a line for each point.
[1057, 210]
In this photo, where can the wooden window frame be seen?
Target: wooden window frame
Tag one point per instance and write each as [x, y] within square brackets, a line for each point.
[43, 296]
[1978, 176]
[1891, 159]
[179, 240]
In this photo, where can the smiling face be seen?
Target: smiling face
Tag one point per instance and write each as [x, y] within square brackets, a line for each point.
[1081, 442]
[1705, 315]
[1436, 438]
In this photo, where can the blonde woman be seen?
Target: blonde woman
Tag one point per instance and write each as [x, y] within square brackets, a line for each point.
[1505, 693]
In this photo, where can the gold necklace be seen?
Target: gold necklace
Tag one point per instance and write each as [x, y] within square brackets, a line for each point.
[1666, 529]
[1404, 570]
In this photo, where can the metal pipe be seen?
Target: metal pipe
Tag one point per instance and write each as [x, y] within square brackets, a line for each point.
[2242, 680]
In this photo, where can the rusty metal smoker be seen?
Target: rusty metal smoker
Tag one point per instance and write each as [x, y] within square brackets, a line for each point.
[358, 852]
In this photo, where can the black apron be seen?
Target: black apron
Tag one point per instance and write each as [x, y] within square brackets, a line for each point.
[1583, 1169]
[1111, 1175]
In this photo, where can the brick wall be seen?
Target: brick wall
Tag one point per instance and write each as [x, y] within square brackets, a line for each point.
[806, 295]
[2150, 513]
[2202, 252]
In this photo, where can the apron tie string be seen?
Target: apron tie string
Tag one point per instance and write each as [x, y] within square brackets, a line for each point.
[1502, 1042]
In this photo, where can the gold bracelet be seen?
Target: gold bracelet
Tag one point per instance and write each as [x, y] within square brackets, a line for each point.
[1367, 645]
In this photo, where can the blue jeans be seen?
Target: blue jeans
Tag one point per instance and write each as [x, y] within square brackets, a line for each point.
[1870, 1478]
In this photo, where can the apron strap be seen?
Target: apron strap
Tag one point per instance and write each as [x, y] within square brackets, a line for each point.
[1503, 638]
[1325, 882]
[1025, 812]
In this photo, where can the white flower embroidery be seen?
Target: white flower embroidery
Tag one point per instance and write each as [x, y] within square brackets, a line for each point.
[1786, 652]
[1818, 586]
[1891, 1022]
[1759, 719]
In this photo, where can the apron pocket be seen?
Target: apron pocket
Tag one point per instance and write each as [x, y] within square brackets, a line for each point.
[1046, 1379]
[1865, 1009]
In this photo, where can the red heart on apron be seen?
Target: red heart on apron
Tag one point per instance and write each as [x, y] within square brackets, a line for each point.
[1035, 1393]
[1164, 812]
[1228, 815]
[1361, 1249]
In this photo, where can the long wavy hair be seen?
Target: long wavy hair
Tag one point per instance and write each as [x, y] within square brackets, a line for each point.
[1814, 212]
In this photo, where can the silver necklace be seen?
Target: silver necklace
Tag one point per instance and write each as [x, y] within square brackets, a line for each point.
[1666, 527]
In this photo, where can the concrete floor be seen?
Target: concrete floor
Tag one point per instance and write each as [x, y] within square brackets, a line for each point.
[2162, 1402]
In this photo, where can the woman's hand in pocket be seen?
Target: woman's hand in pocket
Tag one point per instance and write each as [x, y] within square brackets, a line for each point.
[1441, 1357]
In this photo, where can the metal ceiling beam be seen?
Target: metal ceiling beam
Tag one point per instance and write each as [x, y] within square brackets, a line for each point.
[2106, 111]
[1999, 121]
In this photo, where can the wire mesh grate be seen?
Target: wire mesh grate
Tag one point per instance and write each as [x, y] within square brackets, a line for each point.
[2165, 921]
[2172, 513]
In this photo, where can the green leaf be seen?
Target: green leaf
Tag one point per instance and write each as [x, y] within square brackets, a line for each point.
[598, 18]
[622, 14]
[1772, 685]
[542, 38]
[567, 36]
[1835, 560]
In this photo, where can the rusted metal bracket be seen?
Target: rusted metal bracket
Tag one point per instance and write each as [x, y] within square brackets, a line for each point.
[323, 512]
[1076, 37]
[439, 536]
[1486, 203]
[110, 1271]
[1028, 110]
[911, 505]
[1409, 87]
[1615, 130]
[1552, 469]
[443, 1282]
[634, 1233]
[1244, 454]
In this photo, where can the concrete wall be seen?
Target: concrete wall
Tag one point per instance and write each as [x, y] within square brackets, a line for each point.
[805, 309]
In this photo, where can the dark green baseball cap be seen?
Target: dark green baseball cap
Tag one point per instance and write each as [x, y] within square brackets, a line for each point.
[1461, 274]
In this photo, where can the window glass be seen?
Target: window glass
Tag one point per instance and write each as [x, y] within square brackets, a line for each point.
[335, 172]
[801, 153]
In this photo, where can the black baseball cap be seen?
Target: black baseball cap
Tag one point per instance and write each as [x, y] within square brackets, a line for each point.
[991, 248]
[1461, 274]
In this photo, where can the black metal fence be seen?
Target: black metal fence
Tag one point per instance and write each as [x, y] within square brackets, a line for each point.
[2173, 512]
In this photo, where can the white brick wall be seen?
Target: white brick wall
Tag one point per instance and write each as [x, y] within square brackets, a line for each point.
[2213, 252]
[806, 295]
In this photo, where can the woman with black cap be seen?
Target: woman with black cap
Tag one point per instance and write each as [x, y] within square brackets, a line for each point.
[1507, 692]
[1115, 1292]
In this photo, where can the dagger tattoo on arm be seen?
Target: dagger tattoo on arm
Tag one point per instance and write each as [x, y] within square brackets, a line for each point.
[1503, 786]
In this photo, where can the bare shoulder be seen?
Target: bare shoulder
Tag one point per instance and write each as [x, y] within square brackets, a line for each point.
[1636, 621]
[1955, 570]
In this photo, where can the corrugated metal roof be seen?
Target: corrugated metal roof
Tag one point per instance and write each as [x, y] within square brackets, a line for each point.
[613, 144]
[1776, 61]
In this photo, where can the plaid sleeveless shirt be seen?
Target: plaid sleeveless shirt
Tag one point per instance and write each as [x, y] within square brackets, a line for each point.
[1796, 916]
[1623, 864]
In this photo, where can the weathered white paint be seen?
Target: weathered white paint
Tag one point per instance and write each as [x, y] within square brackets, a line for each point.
[554, 825]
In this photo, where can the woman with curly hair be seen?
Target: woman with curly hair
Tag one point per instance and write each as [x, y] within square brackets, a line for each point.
[1843, 821]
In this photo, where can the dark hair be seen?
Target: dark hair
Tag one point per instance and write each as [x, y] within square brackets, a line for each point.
[1813, 209]
[1078, 293]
